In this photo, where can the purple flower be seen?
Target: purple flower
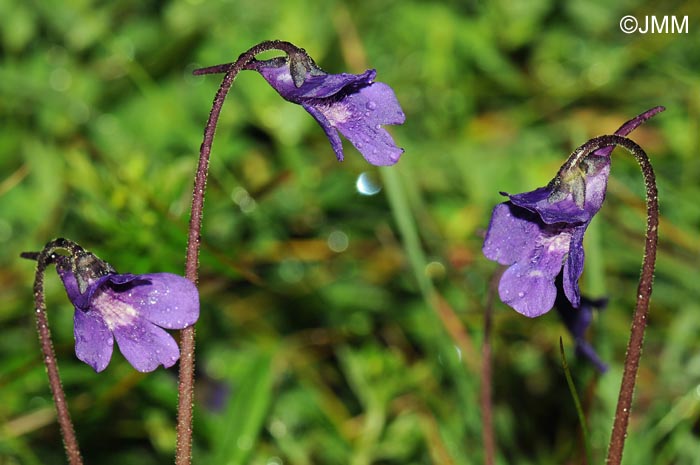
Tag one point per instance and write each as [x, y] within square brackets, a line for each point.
[539, 234]
[351, 104]
[133, 309]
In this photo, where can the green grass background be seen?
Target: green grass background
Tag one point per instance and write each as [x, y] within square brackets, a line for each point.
[319, 340]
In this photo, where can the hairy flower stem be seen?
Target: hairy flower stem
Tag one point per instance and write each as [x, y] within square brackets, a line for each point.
[186, 385]
[70, 441]
[639, 320]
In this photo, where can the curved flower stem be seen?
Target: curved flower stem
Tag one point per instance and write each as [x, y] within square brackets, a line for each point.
[639, 320]
[70, 441]
[186, 386]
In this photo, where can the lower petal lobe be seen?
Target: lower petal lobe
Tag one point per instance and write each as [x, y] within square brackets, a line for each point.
[146, 346]
[93, 340]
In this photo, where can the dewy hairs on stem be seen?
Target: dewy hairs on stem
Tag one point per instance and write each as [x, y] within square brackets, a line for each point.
[352, 105]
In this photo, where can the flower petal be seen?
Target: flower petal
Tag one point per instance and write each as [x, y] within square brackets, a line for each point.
[93, 340]
[528, 285]
[562, 211]
[511, 235]
[145, 345]
[349, 103]
[363, 114]
[330, 85]
[529, 292]
[168, 300]
[70, 283]
[278, 74]
[330, 131]
[573, 267]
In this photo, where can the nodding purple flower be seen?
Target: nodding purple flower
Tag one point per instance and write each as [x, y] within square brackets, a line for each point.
[133, 309]
[539, 234]
[352, 104]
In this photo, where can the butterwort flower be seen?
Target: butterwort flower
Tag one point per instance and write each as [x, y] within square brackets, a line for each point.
[133, 309]
[350, 104]
[539, 234]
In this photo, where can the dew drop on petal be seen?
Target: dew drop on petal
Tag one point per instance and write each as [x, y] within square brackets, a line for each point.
[371, 105]
[521, 294]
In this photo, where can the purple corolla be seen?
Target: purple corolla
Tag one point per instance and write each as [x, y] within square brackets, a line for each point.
[133, 309]
[539, 234]
[350, 104]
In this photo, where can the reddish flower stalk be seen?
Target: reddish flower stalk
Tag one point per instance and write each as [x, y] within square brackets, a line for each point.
[70, 441]
[187, 338]
[641, 312]
[352, 105]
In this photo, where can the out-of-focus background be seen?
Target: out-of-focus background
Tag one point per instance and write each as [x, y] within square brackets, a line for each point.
[342, 305]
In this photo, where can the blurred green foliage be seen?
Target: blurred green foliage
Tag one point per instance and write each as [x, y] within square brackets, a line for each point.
[319, 340]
